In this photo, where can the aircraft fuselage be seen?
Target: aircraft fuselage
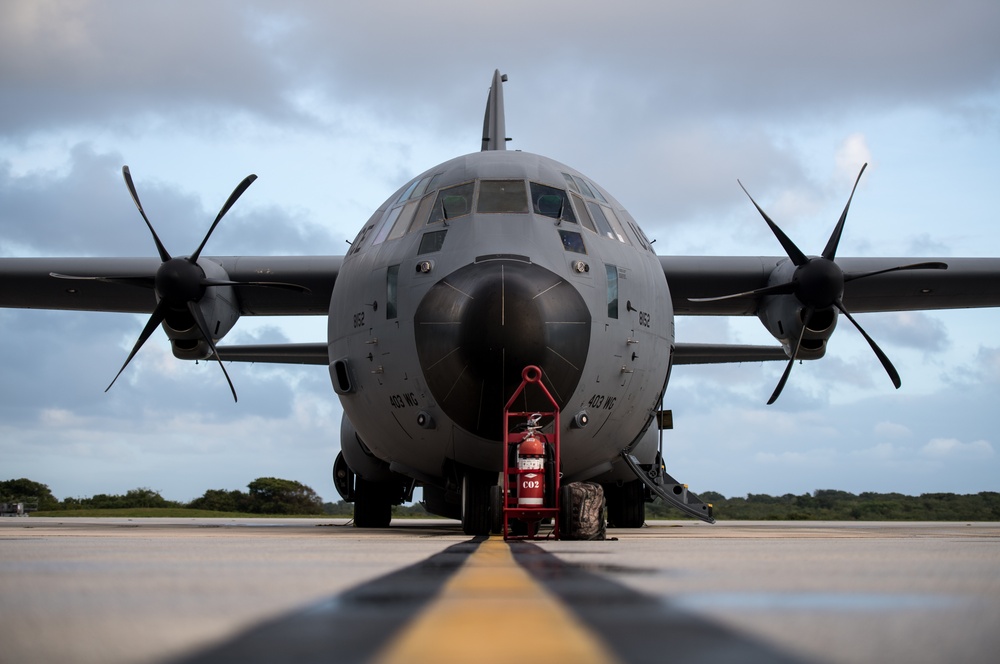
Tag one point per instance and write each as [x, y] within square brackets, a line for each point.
[475, 269]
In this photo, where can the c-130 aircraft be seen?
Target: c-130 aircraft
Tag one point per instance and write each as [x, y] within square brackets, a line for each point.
[473, 270]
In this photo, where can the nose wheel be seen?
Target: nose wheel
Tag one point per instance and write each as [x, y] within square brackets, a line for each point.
[476, 513]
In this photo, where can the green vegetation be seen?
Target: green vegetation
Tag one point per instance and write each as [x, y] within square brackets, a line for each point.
[830, 505]
[270, 496]
[267, 496]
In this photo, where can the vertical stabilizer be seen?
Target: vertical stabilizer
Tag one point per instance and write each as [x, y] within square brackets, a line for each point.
[494, 129]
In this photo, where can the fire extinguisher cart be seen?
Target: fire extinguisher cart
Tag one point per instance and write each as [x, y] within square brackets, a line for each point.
[528, 478]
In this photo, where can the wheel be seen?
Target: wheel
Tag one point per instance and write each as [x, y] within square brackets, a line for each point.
[496, 509]
[626, 504]
[476, 505]
[565, 511]
[372, 504]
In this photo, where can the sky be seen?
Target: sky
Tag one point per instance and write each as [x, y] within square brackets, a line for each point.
[336, 105]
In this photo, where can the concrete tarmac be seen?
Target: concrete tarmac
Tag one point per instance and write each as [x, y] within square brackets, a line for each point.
[168, 590]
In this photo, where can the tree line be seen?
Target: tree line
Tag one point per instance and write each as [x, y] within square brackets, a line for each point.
[832, 505]
[271, 495]
[265, 495]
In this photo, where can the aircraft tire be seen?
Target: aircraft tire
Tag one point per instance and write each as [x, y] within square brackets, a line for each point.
[496, 510]
[372, 504]
[476, 505]
[626, 504]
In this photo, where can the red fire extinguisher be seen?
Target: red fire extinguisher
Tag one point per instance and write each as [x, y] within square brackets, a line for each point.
[531, 457]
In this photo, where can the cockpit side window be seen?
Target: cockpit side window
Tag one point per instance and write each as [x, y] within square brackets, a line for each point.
[452, 202]
[551, 202]
[502, 196]
[619, 231]
[602, 222]
[366, 231]
[415, 189]
[422, 211]
[571, 182]
[585, 219]
[636, 231]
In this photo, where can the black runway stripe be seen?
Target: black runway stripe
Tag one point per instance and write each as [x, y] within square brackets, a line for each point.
[640, 627]
[489, 601]
[349, 627]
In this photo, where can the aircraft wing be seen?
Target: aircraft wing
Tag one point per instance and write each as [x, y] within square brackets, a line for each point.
[27, 283]
[967, 283]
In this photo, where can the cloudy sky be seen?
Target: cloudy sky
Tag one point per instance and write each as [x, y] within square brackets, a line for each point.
[335, 105]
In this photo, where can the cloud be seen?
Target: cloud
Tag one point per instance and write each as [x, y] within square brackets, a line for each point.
[335, 105]
[941, 448]
[909, 329]
[87, 211]
[851, 155]
[892, 430]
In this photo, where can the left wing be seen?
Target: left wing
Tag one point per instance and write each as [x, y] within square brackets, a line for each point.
[967, 283]
[799, 298]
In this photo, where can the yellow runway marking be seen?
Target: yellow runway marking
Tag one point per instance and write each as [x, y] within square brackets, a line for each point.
[491, 610]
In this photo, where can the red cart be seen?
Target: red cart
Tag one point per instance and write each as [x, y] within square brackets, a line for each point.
[530, 490]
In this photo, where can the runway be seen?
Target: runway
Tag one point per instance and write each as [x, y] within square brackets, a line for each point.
[177, 590]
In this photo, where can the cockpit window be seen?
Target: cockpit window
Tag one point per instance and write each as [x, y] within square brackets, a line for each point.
[571, 183]
[585, 219]
[602, 221]
[452, 202]
[613, 219]
[422, 211]
[415, 189]
[551, 202]
[502, 196]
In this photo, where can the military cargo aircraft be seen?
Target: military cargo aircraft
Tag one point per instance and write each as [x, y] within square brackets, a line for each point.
[472, 271]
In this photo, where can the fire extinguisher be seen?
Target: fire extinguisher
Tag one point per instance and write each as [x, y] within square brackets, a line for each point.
[531, 458]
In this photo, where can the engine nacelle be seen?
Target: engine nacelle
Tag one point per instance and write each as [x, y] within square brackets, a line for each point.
[218, 306]
[782, 316]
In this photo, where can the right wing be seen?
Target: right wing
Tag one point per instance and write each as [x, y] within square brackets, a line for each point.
[26, 283]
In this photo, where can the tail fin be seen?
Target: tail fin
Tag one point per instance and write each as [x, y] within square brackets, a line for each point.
[494, 129]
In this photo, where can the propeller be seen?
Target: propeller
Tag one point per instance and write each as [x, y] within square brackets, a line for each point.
[179, 283]
[818, 284]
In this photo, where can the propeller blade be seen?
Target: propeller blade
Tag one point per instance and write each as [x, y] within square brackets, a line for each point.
[164, 254]
[199, 319]
[795, 352]
[933, 265]
[154, 320]
[830, 252]
[261, 284]
[233, 197]
[883, 358]
[142, 281]
[791, 250]
[779, 289]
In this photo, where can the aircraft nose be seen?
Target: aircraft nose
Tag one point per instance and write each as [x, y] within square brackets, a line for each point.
[477, 328]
